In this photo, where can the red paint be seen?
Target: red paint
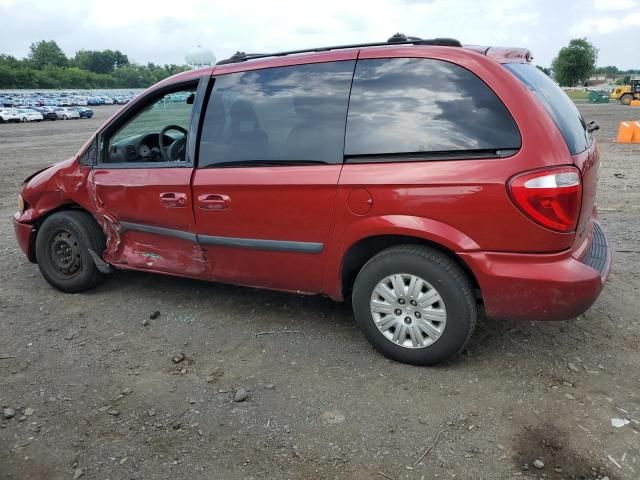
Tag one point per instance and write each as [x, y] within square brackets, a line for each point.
[289, 203]
[23, 233]
[523, 269]
[360, 201]
[534, 287]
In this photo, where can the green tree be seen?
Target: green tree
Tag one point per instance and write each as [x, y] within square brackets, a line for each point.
[48, 67]
[608, 70]
[104, 61]
[47, 53]
[575, 62]
[545, 70]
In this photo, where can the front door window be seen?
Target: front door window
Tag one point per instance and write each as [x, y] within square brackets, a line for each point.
[157, 134]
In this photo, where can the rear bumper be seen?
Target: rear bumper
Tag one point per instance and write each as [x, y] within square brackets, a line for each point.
[24, 233]
[542, 286]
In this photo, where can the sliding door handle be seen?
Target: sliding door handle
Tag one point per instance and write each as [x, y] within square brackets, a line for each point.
[213, 201]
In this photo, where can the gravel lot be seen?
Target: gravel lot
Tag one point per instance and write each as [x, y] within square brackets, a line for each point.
[100, 390]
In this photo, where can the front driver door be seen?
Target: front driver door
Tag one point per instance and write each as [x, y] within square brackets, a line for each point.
[142, 184]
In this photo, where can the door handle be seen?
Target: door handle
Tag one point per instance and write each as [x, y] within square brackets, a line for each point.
[173, 199]
[213, 201]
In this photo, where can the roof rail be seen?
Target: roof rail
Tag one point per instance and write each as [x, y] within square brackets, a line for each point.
[397, 39]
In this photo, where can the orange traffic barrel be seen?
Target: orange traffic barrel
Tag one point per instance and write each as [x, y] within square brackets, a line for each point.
[628, 132]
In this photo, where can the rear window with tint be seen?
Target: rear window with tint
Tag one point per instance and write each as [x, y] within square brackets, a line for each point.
[293, 114]
[419, 106]
[558, 104]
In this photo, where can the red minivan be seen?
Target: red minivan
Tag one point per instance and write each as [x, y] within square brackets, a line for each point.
[418, 178]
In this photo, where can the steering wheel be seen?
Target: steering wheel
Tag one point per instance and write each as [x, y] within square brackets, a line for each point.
[176, 147]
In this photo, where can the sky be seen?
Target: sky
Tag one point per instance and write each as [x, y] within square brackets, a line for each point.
[164, 31]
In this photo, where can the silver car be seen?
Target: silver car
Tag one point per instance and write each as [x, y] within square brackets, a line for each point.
[66, 113]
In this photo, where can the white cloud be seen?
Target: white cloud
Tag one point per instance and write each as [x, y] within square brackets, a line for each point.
[606, 25]
[608, 5]
[162, 31]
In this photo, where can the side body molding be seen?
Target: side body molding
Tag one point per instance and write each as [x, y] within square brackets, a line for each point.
[252, 243]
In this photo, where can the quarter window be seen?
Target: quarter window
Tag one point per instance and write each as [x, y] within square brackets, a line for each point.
[564, 112]
[277, 116]
[425, 106]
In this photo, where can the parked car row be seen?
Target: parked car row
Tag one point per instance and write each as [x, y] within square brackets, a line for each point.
[37, 114]
[57, 99]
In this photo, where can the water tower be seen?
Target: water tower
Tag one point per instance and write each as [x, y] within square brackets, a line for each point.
[200, 57]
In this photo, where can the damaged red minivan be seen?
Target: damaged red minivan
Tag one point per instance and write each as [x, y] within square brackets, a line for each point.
[418, 178]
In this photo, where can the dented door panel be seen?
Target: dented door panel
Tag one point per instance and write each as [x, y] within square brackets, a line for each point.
[151, 210]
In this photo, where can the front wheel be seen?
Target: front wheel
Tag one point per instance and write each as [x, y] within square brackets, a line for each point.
[64, 117]
[415, 305]
[626, 99]
[62, 251]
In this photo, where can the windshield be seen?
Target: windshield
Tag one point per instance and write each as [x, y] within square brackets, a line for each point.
[563, 111]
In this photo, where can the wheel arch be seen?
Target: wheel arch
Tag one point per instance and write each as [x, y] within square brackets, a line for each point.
[38, 222]
[364, 249]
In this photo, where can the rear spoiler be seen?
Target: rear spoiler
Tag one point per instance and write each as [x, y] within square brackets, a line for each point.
[503, 54]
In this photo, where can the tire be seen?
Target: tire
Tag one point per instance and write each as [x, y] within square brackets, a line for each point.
[625, 99]
[24, 120]
[64, 117]
[441, 275]
[72, 232]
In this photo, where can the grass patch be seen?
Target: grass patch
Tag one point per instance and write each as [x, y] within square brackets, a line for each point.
[577, 95]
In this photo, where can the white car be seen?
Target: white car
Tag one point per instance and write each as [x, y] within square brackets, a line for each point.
[9, 115]
[29, 115]
[67, 113]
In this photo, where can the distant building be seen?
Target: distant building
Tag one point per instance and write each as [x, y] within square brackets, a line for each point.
[200, 57]
[600, 79]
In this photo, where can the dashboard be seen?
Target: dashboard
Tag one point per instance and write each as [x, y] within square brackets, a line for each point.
[140, 148]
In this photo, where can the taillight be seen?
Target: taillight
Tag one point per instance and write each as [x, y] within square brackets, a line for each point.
[550, 197]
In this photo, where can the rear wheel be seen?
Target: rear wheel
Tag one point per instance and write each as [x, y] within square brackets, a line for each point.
[415, 305]
[626, 98]
[64, 117]
[62, 251]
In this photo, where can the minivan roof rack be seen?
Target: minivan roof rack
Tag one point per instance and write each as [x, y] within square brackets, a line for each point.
[396, 39]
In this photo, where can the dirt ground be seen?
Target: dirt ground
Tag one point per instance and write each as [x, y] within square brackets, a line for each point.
[97, 395]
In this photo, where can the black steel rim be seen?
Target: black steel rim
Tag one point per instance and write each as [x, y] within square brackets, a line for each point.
[64, 253]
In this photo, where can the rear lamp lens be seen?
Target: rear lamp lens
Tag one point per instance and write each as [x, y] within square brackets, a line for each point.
[549, 197]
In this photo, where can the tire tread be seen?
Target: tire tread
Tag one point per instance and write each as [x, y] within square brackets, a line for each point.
[449, 265]
[84, 222]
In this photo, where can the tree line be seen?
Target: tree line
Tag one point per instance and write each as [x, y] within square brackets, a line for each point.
[47, 66]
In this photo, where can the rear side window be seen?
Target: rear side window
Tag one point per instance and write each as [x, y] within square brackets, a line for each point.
[284, 115]
[426, 108]
[563, 111]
